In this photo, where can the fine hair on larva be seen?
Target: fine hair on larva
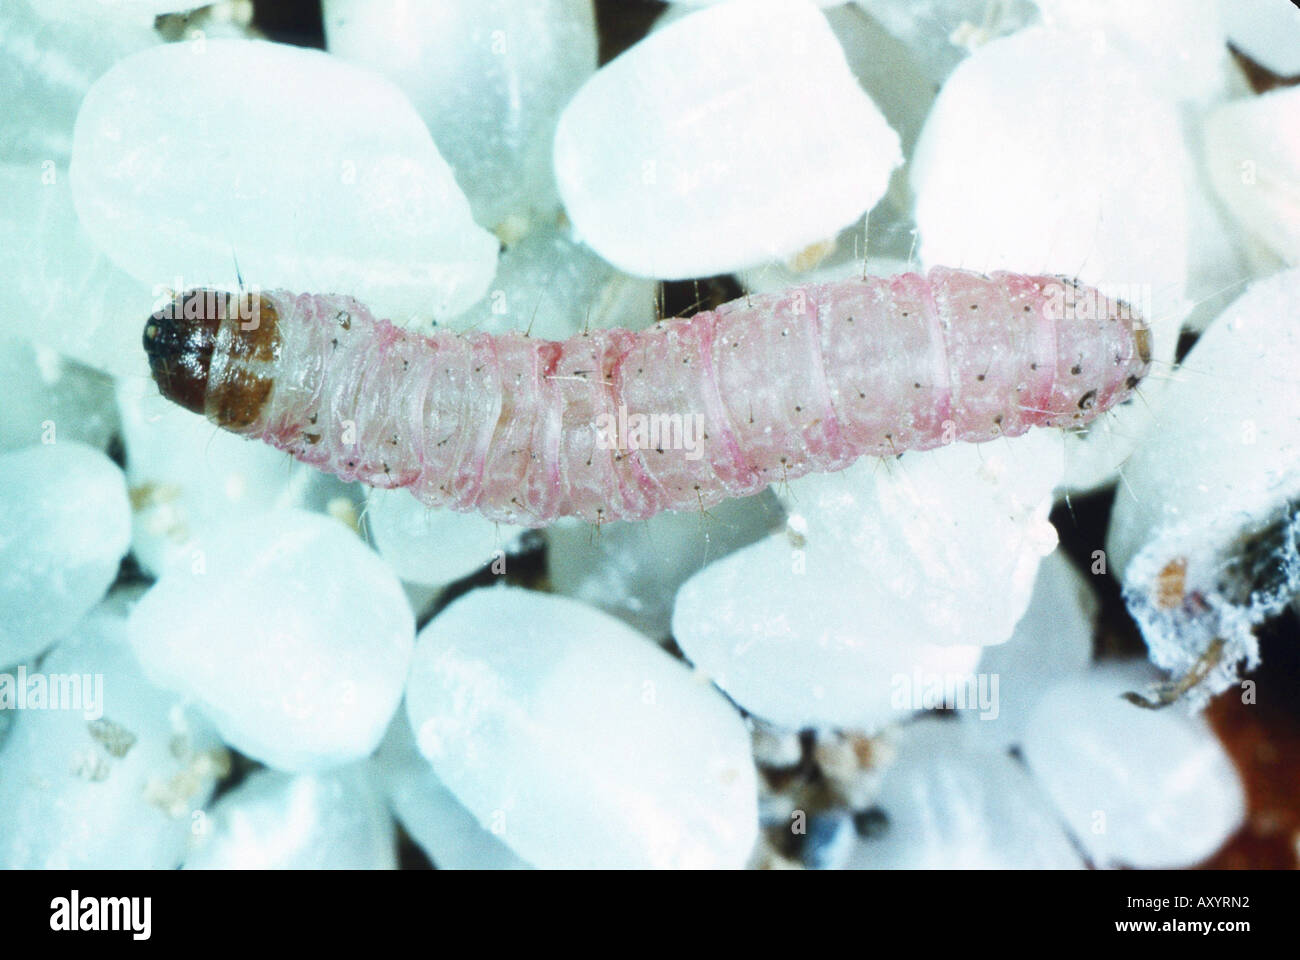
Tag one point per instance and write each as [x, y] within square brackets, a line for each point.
[612, 424]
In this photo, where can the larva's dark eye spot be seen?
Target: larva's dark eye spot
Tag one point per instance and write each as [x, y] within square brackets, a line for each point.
[1087, 400]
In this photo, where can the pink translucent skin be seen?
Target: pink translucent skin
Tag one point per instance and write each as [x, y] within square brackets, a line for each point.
[809, 379]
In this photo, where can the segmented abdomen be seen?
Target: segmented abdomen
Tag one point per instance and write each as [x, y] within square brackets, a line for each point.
[780, 385]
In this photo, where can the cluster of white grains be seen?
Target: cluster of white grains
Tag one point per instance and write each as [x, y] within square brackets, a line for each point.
[505, 690]
[468, 165]
[116, 772]
[1209, 552]
[308, 821]
[292, 635]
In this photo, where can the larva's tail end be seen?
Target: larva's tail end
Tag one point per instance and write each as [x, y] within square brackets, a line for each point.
[1139, 362]
[1142, 338]
[179, 340]
[1134, 359]
[1104, 350]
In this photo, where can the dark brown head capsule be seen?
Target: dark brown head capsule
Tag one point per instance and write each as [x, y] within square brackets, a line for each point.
[210, 351]
[179, 340]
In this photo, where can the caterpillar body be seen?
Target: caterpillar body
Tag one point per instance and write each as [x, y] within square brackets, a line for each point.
[779, 385]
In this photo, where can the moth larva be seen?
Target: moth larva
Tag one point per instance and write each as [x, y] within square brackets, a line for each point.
[613, 424]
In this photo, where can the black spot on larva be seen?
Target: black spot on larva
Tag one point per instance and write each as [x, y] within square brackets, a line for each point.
[1076, 369]
[979, 377]
[1132, 382]
[1033, 366]
[1087, 400]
